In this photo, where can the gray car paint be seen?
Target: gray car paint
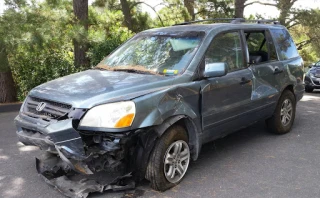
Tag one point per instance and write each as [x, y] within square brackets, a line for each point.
[213, 107]
[163, 97]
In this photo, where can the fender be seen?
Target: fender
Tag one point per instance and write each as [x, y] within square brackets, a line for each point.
[192, 129]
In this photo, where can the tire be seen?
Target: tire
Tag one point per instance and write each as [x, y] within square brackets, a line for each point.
[277, 123]
[163, 153]
[308, 89]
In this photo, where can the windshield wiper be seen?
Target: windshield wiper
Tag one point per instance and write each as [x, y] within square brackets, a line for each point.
[100, 68]
[136, 71]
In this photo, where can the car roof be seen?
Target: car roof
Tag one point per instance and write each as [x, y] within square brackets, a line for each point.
[215, 26]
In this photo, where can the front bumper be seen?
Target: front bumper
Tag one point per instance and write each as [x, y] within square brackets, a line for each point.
[57, 137]
[61, 138]
[71, 152]
[312, 82]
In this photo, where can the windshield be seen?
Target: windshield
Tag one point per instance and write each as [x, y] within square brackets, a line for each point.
[153, 54]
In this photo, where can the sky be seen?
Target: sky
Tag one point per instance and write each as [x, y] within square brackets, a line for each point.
[266, 11]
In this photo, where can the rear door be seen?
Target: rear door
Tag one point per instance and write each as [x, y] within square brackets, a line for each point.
[267, 72]
[225, 99]
[291, 60]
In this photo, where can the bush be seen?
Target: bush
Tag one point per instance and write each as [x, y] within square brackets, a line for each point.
[99, 50]
[31, 69]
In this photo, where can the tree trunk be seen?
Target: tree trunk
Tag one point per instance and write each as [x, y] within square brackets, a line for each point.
[239, 8]
[284, 6]
[7, 87]
[80, 10]
[189, 4]
[127, 14]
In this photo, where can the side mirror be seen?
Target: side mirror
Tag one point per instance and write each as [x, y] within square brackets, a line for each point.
[215, 70]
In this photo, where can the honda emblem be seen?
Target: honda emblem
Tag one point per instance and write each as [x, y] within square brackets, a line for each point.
[41, 106]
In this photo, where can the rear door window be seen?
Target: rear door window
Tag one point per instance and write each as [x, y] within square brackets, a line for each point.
[260, 46]
[285, 45]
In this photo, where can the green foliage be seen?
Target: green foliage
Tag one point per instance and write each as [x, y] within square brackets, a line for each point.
[105, 33]
[101, 49]
[33, 68]
[38, 40]
[37, 36]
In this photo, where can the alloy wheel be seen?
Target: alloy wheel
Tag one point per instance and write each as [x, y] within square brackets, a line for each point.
[176, 161]
[286, 112]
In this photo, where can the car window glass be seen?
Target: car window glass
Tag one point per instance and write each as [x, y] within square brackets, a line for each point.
[317, 64]
[286, 46]
[257, 46]
[226, 48]
[272, 48]
[256, 42]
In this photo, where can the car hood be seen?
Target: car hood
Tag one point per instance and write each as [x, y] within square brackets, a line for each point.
[315, 71]
[93, 87]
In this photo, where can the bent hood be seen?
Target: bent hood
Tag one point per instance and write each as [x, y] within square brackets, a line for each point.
[93, 87]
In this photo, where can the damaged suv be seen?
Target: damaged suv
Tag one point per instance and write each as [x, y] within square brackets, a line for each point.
[147, 108]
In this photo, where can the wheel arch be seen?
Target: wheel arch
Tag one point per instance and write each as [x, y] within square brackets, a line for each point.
[191, 127]
[289, 87]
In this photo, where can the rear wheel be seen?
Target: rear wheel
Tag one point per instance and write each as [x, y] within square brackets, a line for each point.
[169, 160]
[283, 117]
[308, 89]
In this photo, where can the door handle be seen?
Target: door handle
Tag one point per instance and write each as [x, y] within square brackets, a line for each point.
[244, 80]
[277, 71]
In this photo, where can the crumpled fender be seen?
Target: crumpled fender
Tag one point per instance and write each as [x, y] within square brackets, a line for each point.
[153, 109]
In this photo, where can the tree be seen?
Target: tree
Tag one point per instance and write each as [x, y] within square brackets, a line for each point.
[215, 9]
[189, 4]
[284, 6]
[239, 8]
[126, 11]
[80, 10]
[7, 87]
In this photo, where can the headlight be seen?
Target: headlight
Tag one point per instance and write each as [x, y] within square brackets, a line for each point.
[311, 75]
[113, 115]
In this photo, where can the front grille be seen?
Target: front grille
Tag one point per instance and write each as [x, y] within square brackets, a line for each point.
[52, 110]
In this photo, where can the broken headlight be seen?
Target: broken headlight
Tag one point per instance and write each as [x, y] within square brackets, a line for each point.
[113, 115]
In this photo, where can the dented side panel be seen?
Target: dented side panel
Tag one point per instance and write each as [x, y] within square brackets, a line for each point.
[155, 108]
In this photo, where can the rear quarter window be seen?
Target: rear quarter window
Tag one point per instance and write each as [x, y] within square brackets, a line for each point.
[284, 44]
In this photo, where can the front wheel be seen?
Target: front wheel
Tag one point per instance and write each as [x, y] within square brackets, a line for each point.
[169, 160]
[308, 89]
[283, 117]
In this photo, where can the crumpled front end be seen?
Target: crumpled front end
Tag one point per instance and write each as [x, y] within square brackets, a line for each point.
[77, 162]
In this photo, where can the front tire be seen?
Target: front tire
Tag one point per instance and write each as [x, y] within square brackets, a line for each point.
[308, 89]
[283, 117]
[169, 160]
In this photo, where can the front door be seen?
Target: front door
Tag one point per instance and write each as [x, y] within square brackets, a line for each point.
[225, 99]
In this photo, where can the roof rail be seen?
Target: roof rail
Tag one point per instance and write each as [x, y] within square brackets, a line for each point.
[211, 19]
[264, 21]
[232, 20]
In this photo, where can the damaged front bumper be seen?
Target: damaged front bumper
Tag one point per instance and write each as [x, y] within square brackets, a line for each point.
[71, 153]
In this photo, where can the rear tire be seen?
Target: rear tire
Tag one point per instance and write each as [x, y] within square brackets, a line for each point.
[308, 89]
[283, 117]
[169, 159]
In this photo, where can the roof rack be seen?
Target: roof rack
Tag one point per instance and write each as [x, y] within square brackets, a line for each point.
[232, 20]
